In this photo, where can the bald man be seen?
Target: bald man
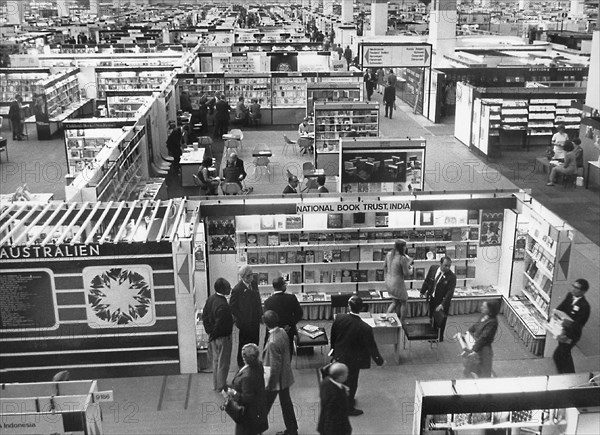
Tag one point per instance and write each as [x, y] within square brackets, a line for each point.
[335, 406]
[292, 186]
[246, 308]
[234, 171]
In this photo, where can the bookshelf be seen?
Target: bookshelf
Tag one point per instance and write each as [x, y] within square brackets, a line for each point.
[541, 117]
[339, 120]
[340, 257]
[125, 106]
[514, 114]
[124, 79]
[290, 91]
[60, 91]
[536, 404]
[20, 82]
[83, 145]
[331, 92]
[199, 85]
[248, 86]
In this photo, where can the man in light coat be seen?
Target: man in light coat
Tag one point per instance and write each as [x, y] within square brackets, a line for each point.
[277, 357]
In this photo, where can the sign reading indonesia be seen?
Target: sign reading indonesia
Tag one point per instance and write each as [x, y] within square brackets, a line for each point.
[353, 207]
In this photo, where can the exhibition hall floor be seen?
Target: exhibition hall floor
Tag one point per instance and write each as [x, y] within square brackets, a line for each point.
[186, 404]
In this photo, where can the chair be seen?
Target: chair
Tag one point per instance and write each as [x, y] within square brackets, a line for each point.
[207, 142]
[229, 188]
[428, 331]
[303, 341]
[288, 142]
[339, 302]
[239, 136]
[569, 180]
[231, 144]
[305, 144]
[3, 147]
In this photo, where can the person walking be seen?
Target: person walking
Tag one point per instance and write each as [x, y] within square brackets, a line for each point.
[353, 344]
[246, 308]
[333, 418]
[576, 306]
[484, 333]
[277, 357]
[380, 80]
[370, 80]
[218, 324]
[348, 56]
[222, 110]
[16, 117]
[248, 385]
[174, 146]
[288, 310]
[391, 78]
[439, 286]
[396, 268]
[389, 99]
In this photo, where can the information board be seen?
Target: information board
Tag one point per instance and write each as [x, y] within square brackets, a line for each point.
[27, 299]
[395, 55]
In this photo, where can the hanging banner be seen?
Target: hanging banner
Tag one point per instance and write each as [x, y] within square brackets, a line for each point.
[353, 207]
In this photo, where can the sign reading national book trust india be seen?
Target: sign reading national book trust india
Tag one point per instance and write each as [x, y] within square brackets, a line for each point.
[353, 207]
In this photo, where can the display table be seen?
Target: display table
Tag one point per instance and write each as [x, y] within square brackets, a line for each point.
[386, 329]
[591, 164]
[190, 164]
[529, 328]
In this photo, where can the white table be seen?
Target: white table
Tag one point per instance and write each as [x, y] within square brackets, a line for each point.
[595, 164]
[190, 165]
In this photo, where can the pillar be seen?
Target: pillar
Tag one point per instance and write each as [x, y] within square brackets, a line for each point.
[486, 3]
[14, 12]
[314, 5]
[94, 9]
[592, 97]
[524, 5]
[576, 8]
[442, 29]
[347, 11]
[379, 17]
[305, 4]
[328, 7]
[62, 8]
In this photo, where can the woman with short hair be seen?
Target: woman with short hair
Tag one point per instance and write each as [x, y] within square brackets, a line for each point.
[484, 333]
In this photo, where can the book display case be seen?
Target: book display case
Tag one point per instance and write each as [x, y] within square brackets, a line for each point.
[334, 121]
[539, 404]
[331, 92]
[291, 91]
[83, 145]
[124, 79]
[59, 91]
[127, 104]
[14, 81]
[199, 85]
[248, 86]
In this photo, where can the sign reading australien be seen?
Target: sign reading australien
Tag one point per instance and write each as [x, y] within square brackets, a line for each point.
[119, 296]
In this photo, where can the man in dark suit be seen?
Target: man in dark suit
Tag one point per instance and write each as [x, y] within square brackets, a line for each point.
[439, 286]
[16, 117]
[218, 323]
[577, 308]
[353, 344]
[234, 171]
[333, 418]
[246, 308]
[292, 186]
[222, 109]
[287, 308]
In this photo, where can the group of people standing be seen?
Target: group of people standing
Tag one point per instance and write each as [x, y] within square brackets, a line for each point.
[385, 82]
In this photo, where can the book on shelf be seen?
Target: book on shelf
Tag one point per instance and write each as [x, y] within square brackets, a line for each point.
[438, 235]
[273, 239]
[252, 257]
[451, 251]
[411, 251]
[310, 256]
[336, 256]
[371, 275]
[377, 255]
[296, 277]
[294, 239]
[319, 257]
[363, 275]
[456, 235]
[473, 217]
[262, 257]
[284, 238]
[366, 253]
[421, 253]
[345, 255]
[354, 275]
[354, 253]
[300, 257]
[440, 252]
[263, 239]
[430, 235]
[472, 250]
[267, 222]
[293, 222]
[461, 271]
[471, 269]
[327, 256]
[309, 276]
[426, 218]
[272, 257]
[421, 235]
[325, 276]
[314, 238]
[379, 275]
[303, 238]
[282, 257]
[381, 219]
[336, 276]
[242, 239]
[263, 278]
[252, 239]
[291, 256]
[461, 251]
[464, 234]
[346, 275]
[334, 220]
[474, 233]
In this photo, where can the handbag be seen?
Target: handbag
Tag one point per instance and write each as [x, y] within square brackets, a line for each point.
[438, 318]
[471, 362]
[233, 409]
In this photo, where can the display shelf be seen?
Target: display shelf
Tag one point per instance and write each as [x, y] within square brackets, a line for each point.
[20, 82]
[206, 85]
[248, 86]
[125, 106]
[290, 91]
[331, 92]
[538, 257]
[124, 79]
[338, 120]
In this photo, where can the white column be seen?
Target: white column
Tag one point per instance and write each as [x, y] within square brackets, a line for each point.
[592, 97]
[576, 8]
[94, 9]
[379, 17]
[314, 5]
[14, 12]
[442, 29]
[305, 4]
[486, 3]
[63, 9]
[347, 11]
[524, 5]
[328, 7]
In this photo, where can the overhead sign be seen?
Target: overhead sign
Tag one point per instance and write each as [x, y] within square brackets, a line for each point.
[353, 207]
[396, 55]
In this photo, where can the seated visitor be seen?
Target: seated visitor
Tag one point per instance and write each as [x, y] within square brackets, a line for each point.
[568, 167]
[206, 175]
